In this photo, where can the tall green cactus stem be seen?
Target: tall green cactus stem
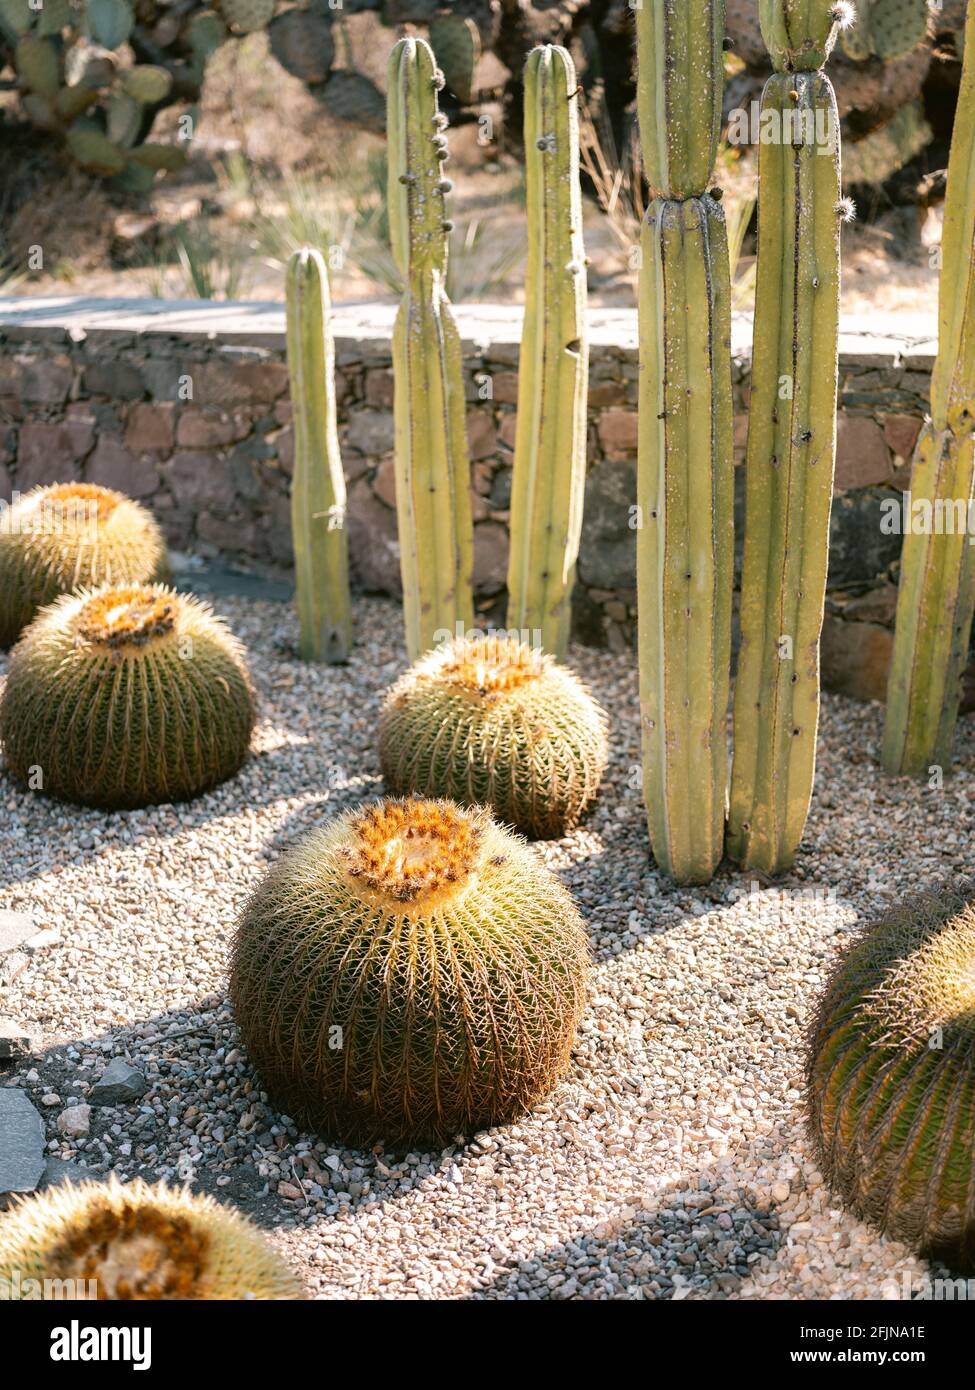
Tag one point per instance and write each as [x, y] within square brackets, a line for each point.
[550, 445]
[936, 600]
[685, 540]
[680, 60]
[318, 487]
[801, 34]
[789, 467]
[432, 464]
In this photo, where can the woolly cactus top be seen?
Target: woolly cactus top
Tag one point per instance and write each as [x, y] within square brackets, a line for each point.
[74, 505]
[487, 665]
[138, 1242]
[412, 851]
[130, 617]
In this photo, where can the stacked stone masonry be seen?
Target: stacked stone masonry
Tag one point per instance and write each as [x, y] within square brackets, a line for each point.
[185, 406]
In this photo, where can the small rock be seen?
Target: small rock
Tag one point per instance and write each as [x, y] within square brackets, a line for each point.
[15, 1041]
[21, 1142]
[50, 936]
[118, 1085]
[15, 929]
[75, 1121]
[61, 1170]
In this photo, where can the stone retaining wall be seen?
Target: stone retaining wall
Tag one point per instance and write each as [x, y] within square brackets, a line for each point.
[185, 406]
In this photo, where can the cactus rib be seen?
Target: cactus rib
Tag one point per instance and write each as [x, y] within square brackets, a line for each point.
[549, 478]
[432, 465]
[318, 486]
[790, 460]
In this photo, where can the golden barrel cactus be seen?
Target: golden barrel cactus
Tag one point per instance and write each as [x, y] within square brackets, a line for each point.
[126, 697]
[71, 536]
[136, 1242]
[491, 721]
[407, 973]
[891, 1076]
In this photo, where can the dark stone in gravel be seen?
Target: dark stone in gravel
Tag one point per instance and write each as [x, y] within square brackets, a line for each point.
[21, 1142]
[119, 1084]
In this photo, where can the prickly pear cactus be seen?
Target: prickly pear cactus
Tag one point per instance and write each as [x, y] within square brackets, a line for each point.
[78, 81]
[887, 28]
[456, 43]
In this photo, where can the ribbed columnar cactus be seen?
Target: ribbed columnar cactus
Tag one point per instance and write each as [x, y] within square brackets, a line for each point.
[685, 542]
[791, 439]
[937, 587]
[135, 1242]
[432, 465]
[891, 1076]
[549, 482]
[318, 487]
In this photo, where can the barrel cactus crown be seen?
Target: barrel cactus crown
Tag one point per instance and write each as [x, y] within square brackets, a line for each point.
[126, 697]
[56, 539]
[137, 1242]
[891, 1076]
[491, 721]
[409, 972]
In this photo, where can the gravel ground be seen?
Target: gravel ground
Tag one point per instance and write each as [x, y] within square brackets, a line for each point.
[670, 1164]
